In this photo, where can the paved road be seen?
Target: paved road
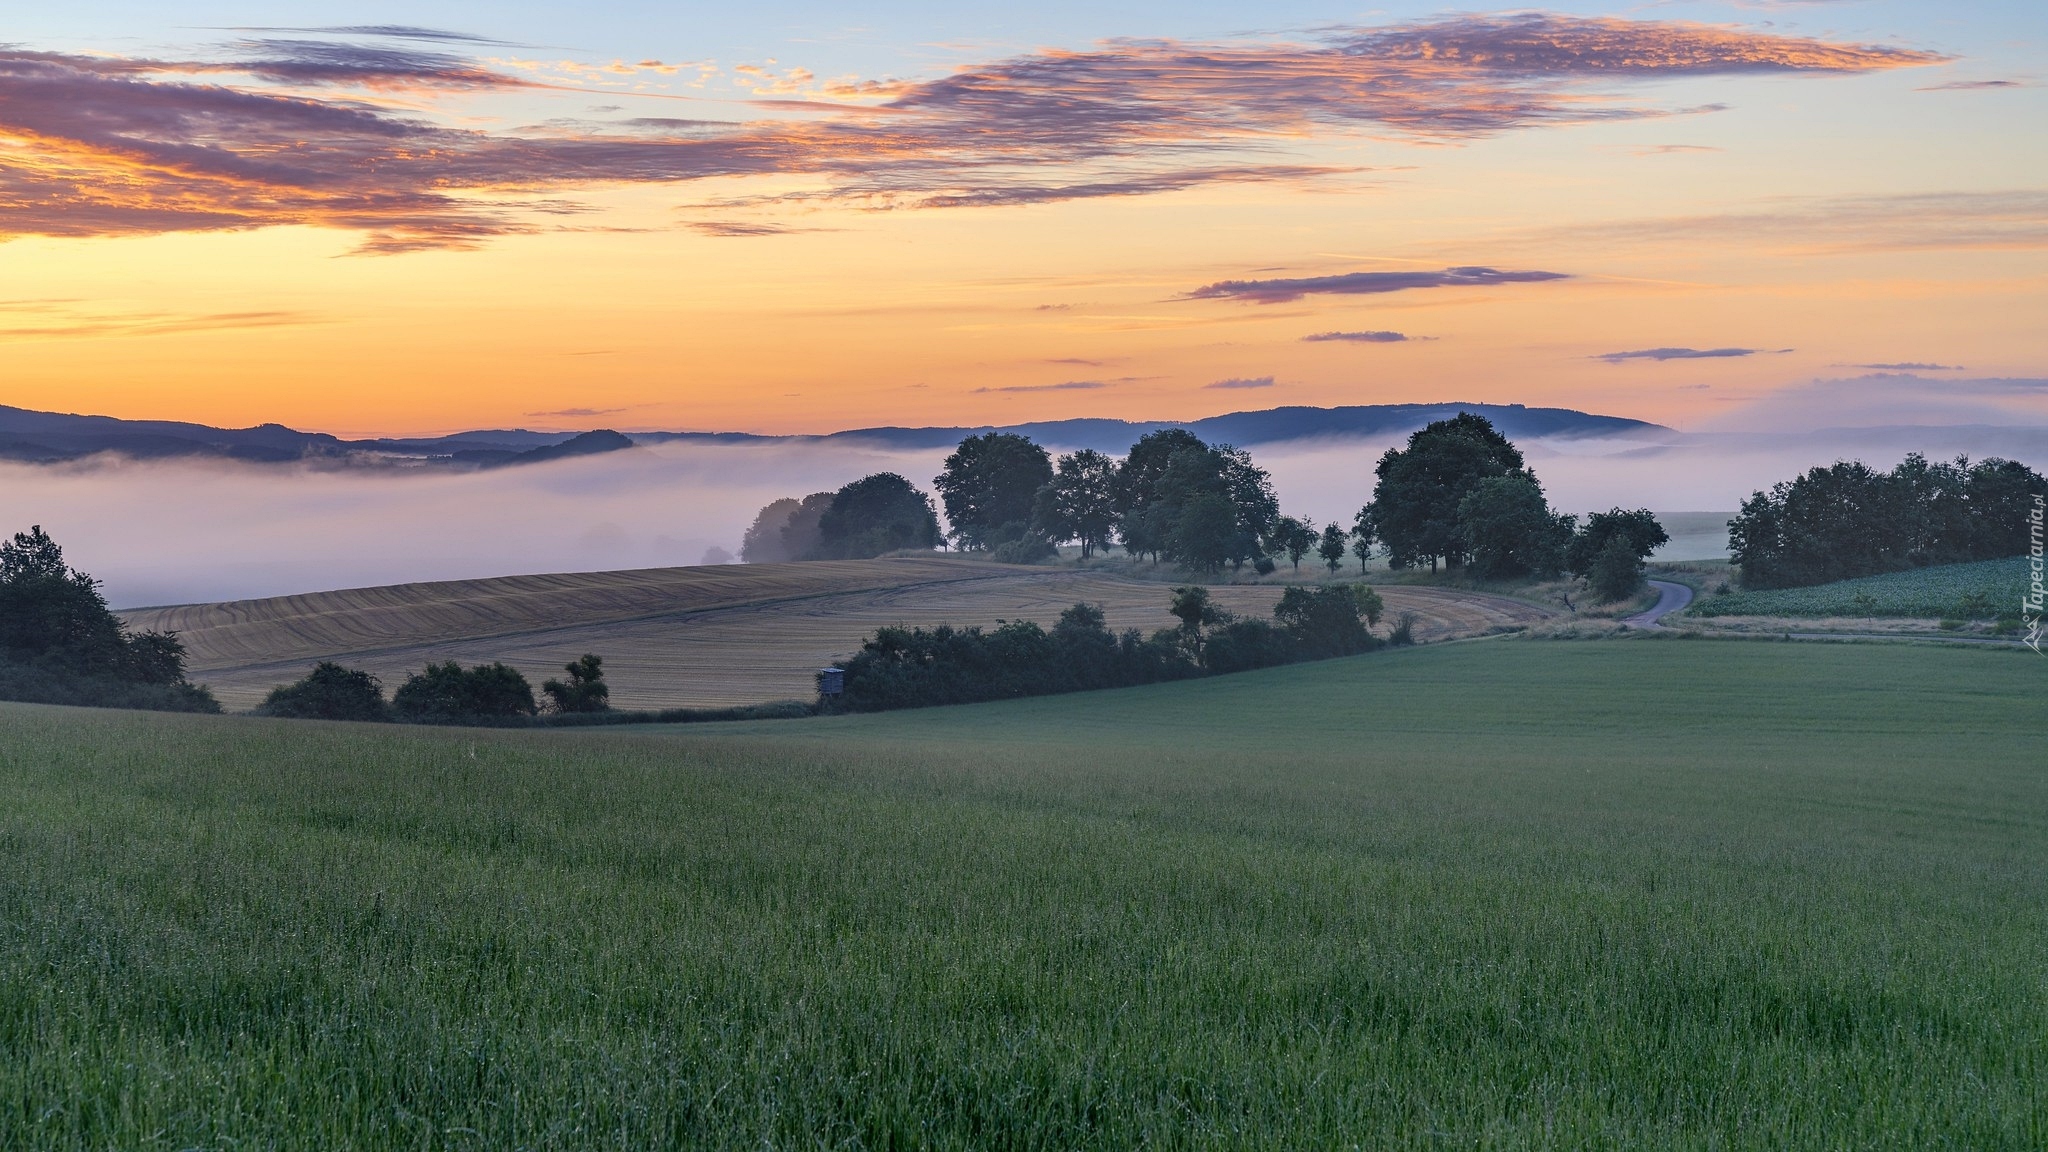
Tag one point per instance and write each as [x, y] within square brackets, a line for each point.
[1671, 597]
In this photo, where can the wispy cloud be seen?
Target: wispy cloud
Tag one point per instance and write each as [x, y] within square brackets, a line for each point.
[581, 412]
[334, 127]
[1063, 386]
[1973, 85]
[1243, 382]
[744, 228]
[55, 320]
[1684, 354]
[1358, 337]
[1906, 366]
[1925, 221]
[1363, 284]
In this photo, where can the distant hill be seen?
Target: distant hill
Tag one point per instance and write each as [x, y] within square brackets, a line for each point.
[50, 437]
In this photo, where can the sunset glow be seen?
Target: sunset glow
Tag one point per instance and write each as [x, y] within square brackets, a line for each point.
[365, 227]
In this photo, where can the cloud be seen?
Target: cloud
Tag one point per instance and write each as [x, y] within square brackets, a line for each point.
[580, 412]
[1064, 386]
[1684, 354]
[57, 321]
[2015, 219]
[1363, 284]
[385, 31]
[294, 129]
[1973, 85]
[1246, 382]
[1358, 337]
[1906, 366]
[744, 228]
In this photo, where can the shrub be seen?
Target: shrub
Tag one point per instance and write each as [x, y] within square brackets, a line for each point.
[449, 694]
[328, 692]
[585, 690]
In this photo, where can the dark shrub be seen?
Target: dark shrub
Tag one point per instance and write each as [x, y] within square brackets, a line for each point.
[585, 690]
[328, 692]
[450, 694]
[1328, 621]
[1243, 645]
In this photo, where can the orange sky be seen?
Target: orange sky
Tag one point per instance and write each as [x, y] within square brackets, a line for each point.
[554, 269]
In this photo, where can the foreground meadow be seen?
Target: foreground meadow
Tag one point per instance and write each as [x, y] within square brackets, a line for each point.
[1498, 894]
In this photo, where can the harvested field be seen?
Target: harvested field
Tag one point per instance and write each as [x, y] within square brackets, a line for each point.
[710, 636]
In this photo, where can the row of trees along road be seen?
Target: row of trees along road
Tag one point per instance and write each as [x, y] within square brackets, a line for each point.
[1458, 495]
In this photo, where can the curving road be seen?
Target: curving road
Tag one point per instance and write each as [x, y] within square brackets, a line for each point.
[1671, 597]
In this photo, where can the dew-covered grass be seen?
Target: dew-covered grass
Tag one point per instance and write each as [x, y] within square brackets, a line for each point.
[1703, 895]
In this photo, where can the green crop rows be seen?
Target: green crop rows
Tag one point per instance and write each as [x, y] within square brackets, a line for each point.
[1634, 894]
[1984, 590]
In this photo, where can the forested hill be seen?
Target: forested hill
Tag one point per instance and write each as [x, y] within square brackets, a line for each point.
[50, 437]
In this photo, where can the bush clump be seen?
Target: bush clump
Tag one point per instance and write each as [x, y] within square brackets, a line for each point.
[328, 692]
[451, 694]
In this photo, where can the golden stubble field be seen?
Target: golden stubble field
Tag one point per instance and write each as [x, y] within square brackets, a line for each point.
[703, 636]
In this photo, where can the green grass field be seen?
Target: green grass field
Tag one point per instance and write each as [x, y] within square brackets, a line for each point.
[1924, 593]
[1631, 894]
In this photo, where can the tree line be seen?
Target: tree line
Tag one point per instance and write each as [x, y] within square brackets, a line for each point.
[1458, 494]
[901, 667]
[1848, 520]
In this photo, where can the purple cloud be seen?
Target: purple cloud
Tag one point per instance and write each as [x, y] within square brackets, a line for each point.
[1244, 382]
[1684, 354]
[1363, 284]
[1357, 337]
[1064, 386]
[297, 129]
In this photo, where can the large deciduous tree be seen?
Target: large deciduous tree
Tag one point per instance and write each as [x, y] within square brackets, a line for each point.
[989, 485]
[1414, 509]
[1509, 530]
[1080, 503]
[876, 514]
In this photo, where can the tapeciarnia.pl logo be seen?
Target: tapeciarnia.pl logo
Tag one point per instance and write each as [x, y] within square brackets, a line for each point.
[2031, 605]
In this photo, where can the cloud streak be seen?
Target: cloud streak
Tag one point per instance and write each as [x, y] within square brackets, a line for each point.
[1242, 383]
[296, 129]
[1364, 284]
[1357, 338]
[1684, 354]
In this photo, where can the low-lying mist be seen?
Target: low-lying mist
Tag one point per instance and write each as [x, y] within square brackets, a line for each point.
[165, 532]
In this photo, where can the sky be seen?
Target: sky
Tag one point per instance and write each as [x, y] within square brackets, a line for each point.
[383, 219]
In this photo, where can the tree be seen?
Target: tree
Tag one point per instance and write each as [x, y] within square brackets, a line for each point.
[1617, 572]
[875, 514]
[1205, 534]
[1850, 520]
[1509, 530]
[584, 691]
[1362, 538]
[1080, 503]
[1335, 542]
[450, 694]
[1637, 526]
[1294, 538]
[989, 483]
[1414, 508]
[763, 542]
[328, 692]
[60, 643]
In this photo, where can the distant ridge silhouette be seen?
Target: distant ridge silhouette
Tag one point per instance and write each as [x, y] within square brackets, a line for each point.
[53, 437]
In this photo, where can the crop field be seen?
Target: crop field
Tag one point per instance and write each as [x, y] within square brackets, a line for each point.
[1925, 593]
[683, 637]
[1632, 894]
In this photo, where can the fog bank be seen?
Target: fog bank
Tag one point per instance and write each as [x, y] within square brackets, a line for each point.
[164, 532]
